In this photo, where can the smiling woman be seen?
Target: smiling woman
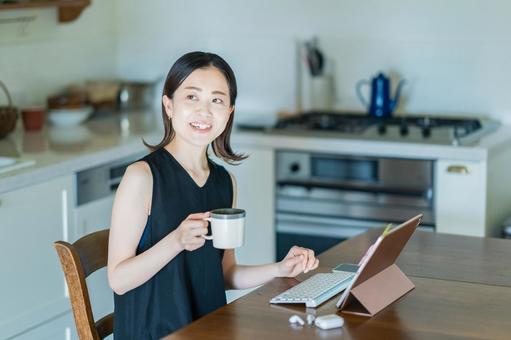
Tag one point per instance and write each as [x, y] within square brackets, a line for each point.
[163, 271]
[196, 82]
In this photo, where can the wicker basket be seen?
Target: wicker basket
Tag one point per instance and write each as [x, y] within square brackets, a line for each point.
[8, 114]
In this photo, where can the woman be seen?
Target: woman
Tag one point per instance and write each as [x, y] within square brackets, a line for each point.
[163, 273]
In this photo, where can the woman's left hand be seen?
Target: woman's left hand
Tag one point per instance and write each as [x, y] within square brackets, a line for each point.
[297, 260]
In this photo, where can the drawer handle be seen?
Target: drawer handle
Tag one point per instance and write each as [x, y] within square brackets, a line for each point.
[457, 169]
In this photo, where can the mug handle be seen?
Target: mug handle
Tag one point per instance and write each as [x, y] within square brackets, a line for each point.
[207, 237]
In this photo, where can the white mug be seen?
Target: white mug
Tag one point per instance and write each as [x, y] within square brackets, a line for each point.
[227, 228]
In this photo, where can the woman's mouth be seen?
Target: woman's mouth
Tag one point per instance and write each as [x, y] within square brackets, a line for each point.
[201, 126]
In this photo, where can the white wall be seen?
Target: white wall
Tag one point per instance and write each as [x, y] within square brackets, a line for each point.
[455, 54]
[39, 59]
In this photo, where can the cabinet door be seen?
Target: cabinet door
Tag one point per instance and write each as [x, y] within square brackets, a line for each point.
[460, 201]
[32, 282]
[61, 327]
[256, 194]
[92, 217]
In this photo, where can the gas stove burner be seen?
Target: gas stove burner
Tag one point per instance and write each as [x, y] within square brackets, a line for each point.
[421, 129]
[324, 121]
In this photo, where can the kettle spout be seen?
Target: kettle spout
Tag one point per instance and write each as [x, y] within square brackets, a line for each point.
[395, 101]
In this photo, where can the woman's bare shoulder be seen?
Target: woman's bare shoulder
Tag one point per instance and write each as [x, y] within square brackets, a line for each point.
[138, 177]
[136, 186]
[139, 170]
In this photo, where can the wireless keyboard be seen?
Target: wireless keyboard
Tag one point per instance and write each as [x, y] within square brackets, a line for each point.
[316, 289]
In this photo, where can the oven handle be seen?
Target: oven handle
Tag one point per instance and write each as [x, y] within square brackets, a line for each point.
[323, 226]
[365, 187]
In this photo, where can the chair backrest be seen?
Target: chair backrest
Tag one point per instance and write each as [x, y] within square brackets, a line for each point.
[79, 260]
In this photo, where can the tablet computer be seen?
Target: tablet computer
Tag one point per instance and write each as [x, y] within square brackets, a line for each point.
[384, 253]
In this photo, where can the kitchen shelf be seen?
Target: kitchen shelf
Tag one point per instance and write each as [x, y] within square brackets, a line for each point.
[69, 10]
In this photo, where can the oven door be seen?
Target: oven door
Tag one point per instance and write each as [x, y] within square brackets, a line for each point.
[318, 233]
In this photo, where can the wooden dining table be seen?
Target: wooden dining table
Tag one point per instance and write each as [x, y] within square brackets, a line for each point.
[462, 291]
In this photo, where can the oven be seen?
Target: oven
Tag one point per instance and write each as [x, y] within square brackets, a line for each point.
[323, 199]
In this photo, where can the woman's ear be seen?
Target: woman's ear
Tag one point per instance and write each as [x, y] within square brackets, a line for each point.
[231, 110]
[168, 105]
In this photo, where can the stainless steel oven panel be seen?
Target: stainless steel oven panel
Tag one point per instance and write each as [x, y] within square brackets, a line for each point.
[405, 173]
[293, 165]
[322, 226]
[345, 196]
[362, 211]
[392, 173]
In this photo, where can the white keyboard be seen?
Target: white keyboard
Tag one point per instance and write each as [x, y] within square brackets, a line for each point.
[316, 289]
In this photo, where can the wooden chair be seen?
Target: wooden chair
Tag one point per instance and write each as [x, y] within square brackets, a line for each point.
[79, 260]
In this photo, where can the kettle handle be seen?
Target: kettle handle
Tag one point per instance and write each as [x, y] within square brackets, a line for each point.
[359, 86]
[394, 102]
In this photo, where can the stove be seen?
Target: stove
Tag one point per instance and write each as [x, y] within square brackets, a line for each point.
[413, 129]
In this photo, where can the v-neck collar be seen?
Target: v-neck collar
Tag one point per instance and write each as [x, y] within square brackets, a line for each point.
[187, 173]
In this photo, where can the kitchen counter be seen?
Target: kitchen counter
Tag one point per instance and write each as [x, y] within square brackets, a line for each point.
[60, 151]
[486, 147]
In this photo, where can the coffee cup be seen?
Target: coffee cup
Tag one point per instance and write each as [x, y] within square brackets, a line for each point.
[227, 228]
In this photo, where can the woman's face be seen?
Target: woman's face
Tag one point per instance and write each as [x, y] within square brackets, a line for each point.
[200, 108]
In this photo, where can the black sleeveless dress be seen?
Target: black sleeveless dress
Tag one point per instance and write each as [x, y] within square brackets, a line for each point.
[190, 285]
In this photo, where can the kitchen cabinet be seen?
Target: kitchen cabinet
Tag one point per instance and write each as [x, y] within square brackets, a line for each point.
[59, 328]
[256, 194]
[92, 217]
[95, 191]
[68, 10]
[32, 285]
[460, 201]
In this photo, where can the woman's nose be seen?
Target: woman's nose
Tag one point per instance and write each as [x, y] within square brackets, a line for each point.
[203, 107]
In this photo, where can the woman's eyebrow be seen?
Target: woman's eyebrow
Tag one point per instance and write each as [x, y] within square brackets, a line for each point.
[193, 88]
[200, 90]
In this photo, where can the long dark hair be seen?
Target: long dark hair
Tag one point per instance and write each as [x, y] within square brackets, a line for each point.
[177, 74]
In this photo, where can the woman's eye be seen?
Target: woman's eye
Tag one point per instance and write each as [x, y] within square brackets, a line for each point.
[190, 96]
[218, 101]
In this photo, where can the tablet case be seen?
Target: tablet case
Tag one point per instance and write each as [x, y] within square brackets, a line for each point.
[380, 281]
[376, 293]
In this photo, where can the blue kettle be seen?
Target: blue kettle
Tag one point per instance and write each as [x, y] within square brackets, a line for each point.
[381, 105]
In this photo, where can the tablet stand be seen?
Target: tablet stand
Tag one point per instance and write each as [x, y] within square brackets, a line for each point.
[377, 292]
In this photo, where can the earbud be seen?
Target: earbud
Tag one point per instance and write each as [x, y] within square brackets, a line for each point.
[310, 319]
[296, 319]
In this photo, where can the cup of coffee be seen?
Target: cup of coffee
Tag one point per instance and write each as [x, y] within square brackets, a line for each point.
[227, 228]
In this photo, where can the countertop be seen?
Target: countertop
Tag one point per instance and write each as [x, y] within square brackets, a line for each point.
[487, 146]
[60, 151]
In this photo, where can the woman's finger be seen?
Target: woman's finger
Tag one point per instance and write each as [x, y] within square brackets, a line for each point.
[198, 216]
[305, 258]
[293, 261]
[310, 260]
[294, 251]
[316, 264]
[193, 224]
[294, 265]
[199, 231]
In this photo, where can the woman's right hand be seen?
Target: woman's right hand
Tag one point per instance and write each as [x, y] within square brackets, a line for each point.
[189, 233]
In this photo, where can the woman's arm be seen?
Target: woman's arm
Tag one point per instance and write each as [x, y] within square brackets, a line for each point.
[240, 277]
[126, 270]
